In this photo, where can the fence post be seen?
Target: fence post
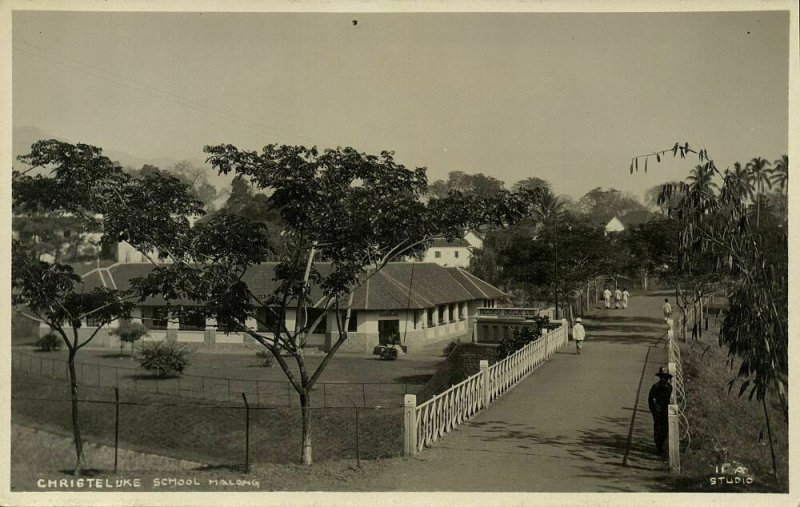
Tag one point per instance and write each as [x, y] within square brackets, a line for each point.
[484, 366]
[358, 451]
[246, 434]
[116, 427]
[673, 371]
[410, 425]
[674, 440]
[363, 395]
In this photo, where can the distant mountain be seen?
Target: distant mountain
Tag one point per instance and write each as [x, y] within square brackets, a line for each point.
[24, 137]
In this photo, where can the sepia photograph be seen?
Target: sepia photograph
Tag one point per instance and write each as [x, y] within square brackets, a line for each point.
[425, 253]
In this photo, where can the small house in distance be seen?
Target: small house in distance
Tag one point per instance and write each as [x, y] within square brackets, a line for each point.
[628, 220]
[423, 305]
[456, 253]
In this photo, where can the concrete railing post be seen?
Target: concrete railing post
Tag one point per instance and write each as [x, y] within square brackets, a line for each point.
[674, 440]
[484, 368]
[410, 425]
[671, 367]
[565, 325]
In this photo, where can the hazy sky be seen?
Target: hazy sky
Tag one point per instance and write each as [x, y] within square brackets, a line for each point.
[566, 97]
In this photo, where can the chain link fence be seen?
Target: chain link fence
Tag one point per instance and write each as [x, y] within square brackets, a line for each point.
[273, 393]
[230, 434]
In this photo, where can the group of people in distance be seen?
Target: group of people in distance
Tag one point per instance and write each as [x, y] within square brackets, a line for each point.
[620, 297]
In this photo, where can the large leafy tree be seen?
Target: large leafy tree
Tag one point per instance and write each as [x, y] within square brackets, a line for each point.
[603, 205]
[477, 184]
[750, 255]
[80, 182]
[353, 211]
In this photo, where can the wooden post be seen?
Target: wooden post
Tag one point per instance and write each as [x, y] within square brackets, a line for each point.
[246, 434]
[487, 395]
[410, 425]
[116, 426]
[674, 440]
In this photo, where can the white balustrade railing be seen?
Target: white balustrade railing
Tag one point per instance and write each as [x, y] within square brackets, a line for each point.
[677, 421]
[426, 423]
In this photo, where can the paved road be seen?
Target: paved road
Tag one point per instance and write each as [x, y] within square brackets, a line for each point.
[567, 427]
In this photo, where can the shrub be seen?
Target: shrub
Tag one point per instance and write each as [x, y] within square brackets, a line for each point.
[129, 332]
[163, 358]
[265, 358]
[451, 347]
[48, 342]
[523, 336]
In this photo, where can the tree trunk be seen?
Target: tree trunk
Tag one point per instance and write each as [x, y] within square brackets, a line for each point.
[769, 435]
[305, 407]
[76, 429]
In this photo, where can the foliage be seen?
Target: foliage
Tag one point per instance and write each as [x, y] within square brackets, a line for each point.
[265, 358]
[49, 343]
[477, 184]
[129, 332]
[80, 182]
[451, 347]
[163, 358]
[603, 205]
[722, 225]
[522, 336]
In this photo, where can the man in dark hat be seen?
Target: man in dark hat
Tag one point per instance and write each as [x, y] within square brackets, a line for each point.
[658, 400]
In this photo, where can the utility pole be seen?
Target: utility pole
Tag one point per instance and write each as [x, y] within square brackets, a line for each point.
[555, 261]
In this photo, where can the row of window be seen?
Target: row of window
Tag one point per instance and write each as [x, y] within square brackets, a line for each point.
[156, 317]
[438, 254]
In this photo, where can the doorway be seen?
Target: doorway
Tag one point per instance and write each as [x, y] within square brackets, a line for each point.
[388, 329]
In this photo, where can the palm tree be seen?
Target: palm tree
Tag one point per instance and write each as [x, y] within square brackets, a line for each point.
[780, 173]
[759, 173]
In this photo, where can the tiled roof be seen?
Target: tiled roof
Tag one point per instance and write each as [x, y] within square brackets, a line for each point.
[399, 285]
[443, 243]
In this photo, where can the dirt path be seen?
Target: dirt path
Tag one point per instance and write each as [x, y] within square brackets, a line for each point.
[568, 427]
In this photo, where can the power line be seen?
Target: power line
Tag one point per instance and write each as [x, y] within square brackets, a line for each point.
[98, 72]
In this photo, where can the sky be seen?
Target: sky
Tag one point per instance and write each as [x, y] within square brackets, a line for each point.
[568, 97]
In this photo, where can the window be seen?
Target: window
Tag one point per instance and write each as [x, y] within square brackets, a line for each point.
[67, 233]
[456, 254]
[441, 315]
[155, 317]
[451, 313]
[437, 254]
[192, 320]
[462, 314]
[93, 321]
[416, 318]
[352, 326]
[267, 320]
[312, 315]
[430, 317]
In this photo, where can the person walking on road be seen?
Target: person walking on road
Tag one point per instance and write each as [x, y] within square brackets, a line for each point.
[667, 310]
[625, 296]
[617, 298]
[658, 400]
[578, 334]
[607, 297]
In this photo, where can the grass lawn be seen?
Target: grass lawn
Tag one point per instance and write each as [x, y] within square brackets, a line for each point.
[348, 379]
[203, 431]
[726, 428]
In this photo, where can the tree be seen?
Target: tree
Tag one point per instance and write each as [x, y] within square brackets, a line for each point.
[471, 184]
[531, 183]
[129, 332]
[352, 211]
[78, 180]
[751, 257]
[603, 205]
[760, 174]
[53, 294]
[197, 180]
